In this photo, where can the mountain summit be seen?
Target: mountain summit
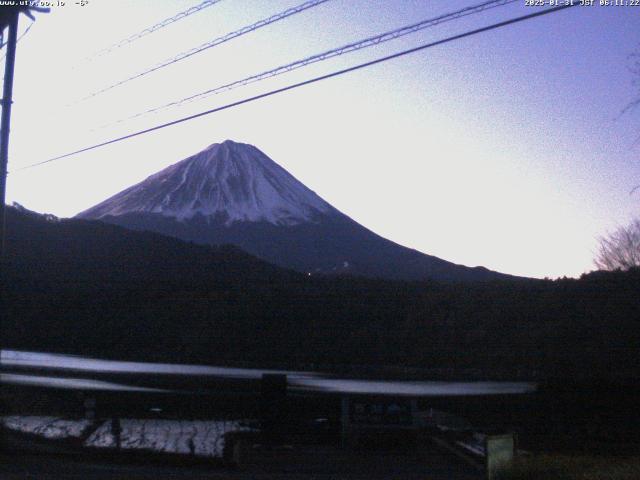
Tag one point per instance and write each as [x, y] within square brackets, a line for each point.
[232, 182]
[233, 193]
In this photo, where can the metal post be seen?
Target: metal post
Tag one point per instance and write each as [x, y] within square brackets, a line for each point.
[344, 422]
[7, 100]
[274, 411]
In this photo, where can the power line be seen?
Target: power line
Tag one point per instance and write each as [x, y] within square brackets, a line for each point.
[25, 32]
[212, 43]
[20, 37]
[307, 82]
[351, 47]
[168, 21]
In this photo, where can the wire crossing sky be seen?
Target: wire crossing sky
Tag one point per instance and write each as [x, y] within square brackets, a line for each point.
[26, 30]
[509, 149]
[301, 84]
[351, 47]
[215, 42]
[168, 21]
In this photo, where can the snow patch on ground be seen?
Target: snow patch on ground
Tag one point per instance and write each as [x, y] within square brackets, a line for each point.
[47, 427]
[195, 437]
[192, 437]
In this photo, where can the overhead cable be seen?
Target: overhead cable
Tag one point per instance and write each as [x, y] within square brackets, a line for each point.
[351, 47]
[212, 43]
[19, 38]
[168, 21]
[306, 82]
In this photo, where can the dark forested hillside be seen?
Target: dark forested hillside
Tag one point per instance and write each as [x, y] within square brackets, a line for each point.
[96, 289]
[90, 288]
[566, 328]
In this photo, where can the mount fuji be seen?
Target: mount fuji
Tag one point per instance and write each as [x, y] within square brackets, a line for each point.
[232, 193]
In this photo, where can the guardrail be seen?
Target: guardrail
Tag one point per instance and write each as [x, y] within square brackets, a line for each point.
[494, 457]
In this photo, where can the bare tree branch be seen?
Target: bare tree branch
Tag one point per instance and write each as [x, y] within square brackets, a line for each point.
[620, 250]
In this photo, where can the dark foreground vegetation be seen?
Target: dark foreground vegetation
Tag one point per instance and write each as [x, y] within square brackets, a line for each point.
[562, 467]
[90, 288]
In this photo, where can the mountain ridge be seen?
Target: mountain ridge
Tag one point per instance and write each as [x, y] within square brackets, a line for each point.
[233, 193]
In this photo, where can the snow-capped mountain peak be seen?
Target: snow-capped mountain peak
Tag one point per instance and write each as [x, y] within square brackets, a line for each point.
[233, 182]
[232, 193]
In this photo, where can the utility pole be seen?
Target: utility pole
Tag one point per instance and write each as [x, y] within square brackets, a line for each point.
[7, 100]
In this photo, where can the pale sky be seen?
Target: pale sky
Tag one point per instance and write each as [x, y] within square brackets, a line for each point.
[506, 149]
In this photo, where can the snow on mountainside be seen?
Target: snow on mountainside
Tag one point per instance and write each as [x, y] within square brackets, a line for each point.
[230, 181]
[232, 193]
